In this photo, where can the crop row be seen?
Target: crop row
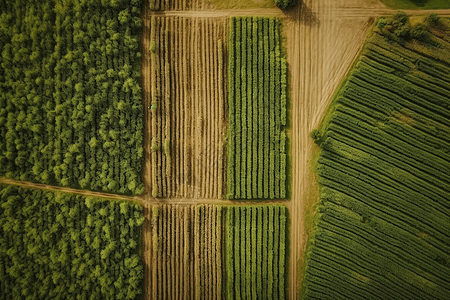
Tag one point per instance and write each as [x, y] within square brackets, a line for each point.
[210, 251]
[186, 252]
[70, 95]
[255, 238]
[56, 245]
[381, 225]
[257, 87]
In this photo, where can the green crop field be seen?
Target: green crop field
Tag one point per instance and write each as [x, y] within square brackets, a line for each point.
[63, 246]
[417, 4]
[237, 252]
[70, 94]
[255, 255]
[257, 87]
[382, 229]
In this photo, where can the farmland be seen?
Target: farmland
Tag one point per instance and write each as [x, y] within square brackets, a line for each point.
[255, 241]
[381, 229]
[154, 193]
[257, 85]
[184, 91]
[206, 251]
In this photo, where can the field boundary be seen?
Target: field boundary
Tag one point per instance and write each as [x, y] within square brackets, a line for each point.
[274, 12]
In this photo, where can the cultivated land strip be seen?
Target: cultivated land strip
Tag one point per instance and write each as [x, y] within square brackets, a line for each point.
[185, 118]
[318, 55]
[381, 149]
[338, 11]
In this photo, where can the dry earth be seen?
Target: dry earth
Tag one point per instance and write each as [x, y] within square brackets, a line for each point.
[185, 80]
[323, 39]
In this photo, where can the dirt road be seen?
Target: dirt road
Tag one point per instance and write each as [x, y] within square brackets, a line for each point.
[321, 49]
[323, 39]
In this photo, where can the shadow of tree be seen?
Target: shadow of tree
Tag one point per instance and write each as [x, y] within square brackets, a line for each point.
[303, 14]
[420, 3]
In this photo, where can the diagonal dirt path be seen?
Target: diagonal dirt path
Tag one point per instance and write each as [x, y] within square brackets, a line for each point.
[323, 39]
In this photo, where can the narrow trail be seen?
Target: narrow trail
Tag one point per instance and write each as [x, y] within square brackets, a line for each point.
[145, 200]
[68, 190]
[323, 39]
[321, 45]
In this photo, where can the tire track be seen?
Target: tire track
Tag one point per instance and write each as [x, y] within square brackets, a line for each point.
[309, 99]
[321, 47]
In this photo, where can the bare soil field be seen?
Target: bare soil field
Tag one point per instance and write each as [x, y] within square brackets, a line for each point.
[323, 39]
[183, 244]
[184, 100]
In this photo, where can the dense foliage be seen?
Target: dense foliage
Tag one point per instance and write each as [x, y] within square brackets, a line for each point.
[70, 93]
[382, 230]
[286, 4]
[62, 246]
[257, 87]
[255, 252]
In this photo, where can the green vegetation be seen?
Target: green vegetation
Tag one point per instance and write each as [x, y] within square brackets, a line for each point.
[257, 96]
[70, 94]
[241, 4]
[417, 4]
[256, 255]
[286, 4]
[63, 246]
[382, 227]
[229, 252]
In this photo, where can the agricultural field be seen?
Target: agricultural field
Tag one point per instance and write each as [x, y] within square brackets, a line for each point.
[162, 149]
[184, 98]
[382, 224]
[186, 252]
[257, 86]
[215, 251]
[255, 242]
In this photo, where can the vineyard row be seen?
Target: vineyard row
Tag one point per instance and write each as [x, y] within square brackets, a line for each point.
[257, 87]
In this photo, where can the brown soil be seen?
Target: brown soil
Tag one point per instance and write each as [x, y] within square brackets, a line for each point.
[186, 87]
[68, 190]
[323, 39]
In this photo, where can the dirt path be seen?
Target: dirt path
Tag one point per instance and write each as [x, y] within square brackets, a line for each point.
[323, 39]
[220, 13]
[350, 9]
[322, 45]
[68, 190]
